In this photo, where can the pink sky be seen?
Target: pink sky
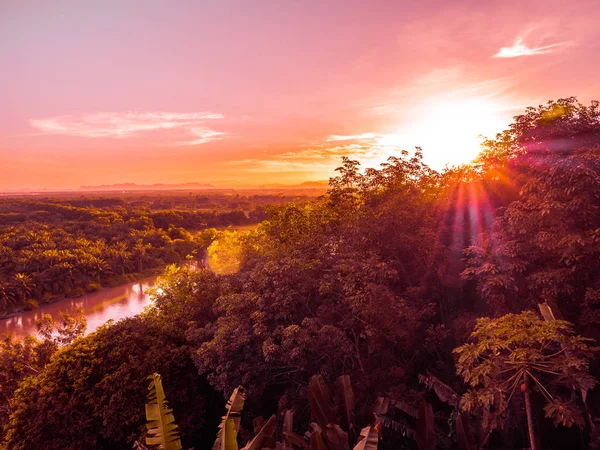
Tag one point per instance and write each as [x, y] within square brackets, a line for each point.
[240, 92]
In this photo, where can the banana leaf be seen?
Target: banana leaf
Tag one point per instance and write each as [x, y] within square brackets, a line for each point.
[162, 429]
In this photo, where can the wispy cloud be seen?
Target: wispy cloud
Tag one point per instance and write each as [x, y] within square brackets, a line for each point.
[202, 136]
[352, 137]
[321, 158]
[120, 125]
[318, 160]
[520, 49]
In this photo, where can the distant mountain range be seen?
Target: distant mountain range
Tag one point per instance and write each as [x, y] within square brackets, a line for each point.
[321, 184]
[145, 187]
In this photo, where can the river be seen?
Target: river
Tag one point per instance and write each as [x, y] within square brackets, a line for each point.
[99, 307]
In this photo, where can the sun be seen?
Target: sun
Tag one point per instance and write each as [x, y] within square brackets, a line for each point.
[450, 132]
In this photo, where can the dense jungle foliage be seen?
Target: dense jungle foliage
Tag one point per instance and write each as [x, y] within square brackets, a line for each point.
[52, 248]
[475, 290]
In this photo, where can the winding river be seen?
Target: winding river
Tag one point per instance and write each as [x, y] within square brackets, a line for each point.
[99, 307]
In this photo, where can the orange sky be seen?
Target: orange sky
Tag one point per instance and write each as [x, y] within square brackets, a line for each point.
[240, 92]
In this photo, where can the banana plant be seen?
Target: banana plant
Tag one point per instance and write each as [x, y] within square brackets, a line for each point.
[230, 425]
[368, 440]
[424, 434]
[425, 437]
[264, 434]
[291, 438]
[316, 440]
[162, 429]
[345, 405]
[469, 436]
[325, 432]
[319, 396]
[383, 405]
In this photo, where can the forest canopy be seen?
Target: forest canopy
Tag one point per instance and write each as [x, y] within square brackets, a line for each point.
[64, 247]
[380, 280]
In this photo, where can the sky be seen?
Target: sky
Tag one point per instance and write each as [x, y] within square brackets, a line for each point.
[262, 92]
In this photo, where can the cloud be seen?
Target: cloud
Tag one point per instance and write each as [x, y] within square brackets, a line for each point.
[120, 125]
[353, 137]
[321, 158]
[520, 49]
[203, 135]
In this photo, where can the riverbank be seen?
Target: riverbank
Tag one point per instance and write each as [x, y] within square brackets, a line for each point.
[115, 282]
[110, 303]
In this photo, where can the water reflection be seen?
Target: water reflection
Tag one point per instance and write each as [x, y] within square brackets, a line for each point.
[98, 307]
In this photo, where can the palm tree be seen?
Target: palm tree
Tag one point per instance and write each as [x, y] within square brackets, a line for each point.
[22, 286]
[43, 283]
[61, 277]
[6, 294]
[121, 256]
[94, 267]
[139, 252]
[6, 256]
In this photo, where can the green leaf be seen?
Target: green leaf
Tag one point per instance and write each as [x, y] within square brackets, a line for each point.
[336, 438]
[564, 413]
[318, 399]
[162, 430]
[444, 392]
[316, 440]
[426, 437]
[288, 430]
[398, 427]
[368, 440]
[265, 433]
[345, 396]
[228, 429]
